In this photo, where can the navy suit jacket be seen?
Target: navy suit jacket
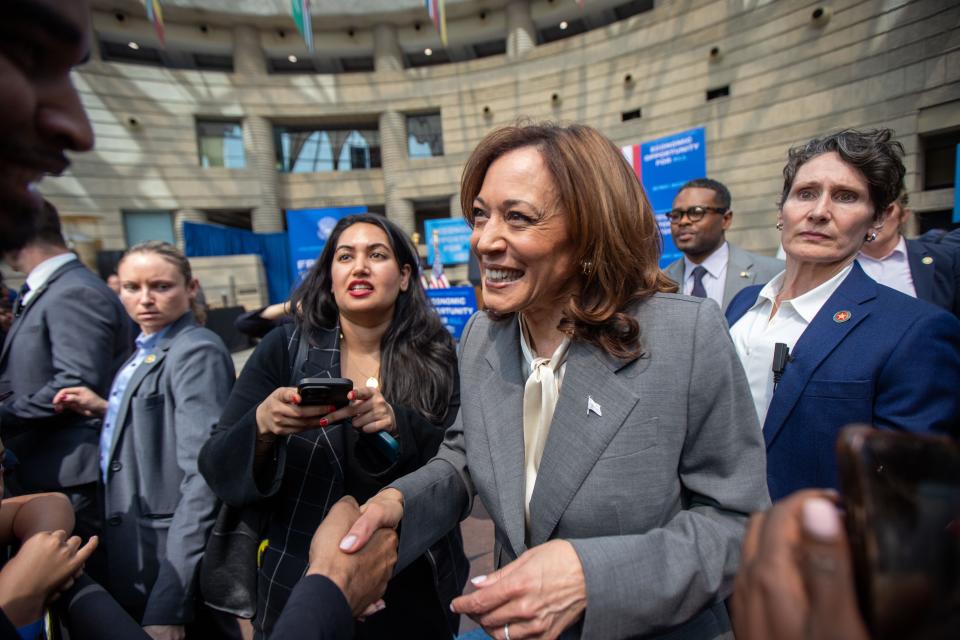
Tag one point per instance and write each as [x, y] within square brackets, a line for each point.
[894, 363]
[936, 274]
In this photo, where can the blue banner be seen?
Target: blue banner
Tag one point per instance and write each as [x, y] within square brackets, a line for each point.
[956, 189]
[307, 233]
[453, 239]
[454, 306]
[663, 166]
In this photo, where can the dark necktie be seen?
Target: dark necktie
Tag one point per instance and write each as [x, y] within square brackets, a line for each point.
[24, 290]
[698, 290]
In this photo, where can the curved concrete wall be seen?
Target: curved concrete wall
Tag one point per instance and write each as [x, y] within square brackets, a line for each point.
[874, 63]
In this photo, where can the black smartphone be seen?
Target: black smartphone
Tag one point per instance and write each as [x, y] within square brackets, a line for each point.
[328, 391]
[902, 497]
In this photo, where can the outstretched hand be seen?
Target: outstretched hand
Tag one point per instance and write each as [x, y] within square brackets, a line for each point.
[382, 511]
[796, 580]
[47, 564]
[361, 576]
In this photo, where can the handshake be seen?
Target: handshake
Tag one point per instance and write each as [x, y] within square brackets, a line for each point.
[356, 556]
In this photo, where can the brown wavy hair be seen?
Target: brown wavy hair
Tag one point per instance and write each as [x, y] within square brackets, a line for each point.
[616, 238]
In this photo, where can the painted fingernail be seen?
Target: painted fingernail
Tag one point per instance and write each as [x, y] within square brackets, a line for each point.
[296, 399]
[820, 519]
[348, 542]
[452, 608]
[380, 606]
[352, 395]
[324, 422]
[479, 580]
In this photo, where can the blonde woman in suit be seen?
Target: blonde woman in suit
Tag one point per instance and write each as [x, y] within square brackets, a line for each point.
[162, 407]
[606, 423]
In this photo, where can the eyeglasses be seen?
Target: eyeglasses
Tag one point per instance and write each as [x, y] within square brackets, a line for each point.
[694, 214]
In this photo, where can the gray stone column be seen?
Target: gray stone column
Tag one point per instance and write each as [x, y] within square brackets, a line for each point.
[184, 215]
[521, 32]
[393, 152]
[248, 58]
[455, 211]
[387, 55]
[262, 159]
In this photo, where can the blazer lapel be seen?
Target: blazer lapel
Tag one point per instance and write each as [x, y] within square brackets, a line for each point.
[922, 273]
[578, 436]
[148, 365]
[504, 419]
[854, 296]
[18, 321]
[738, 263]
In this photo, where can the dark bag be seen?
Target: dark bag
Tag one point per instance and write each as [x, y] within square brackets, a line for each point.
[228, 572]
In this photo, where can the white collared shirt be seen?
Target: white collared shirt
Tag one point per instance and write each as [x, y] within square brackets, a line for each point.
[714, 278]
[892, 270]
[42, 272]
[756, 333]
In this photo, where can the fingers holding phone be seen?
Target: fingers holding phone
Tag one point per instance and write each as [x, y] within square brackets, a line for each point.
[283, 413]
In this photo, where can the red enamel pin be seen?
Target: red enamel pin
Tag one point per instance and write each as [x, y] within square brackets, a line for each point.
[841, 316]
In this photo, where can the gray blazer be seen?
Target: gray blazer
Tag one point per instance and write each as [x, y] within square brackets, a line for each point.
[73, 332]
[158, 508]
[744, 269]
[653, 494]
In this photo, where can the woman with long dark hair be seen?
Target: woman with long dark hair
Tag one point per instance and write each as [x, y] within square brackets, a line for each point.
[360, 314]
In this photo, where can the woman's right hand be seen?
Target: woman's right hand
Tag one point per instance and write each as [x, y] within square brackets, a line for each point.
[81, 400]
[281, 414]
[382, 511]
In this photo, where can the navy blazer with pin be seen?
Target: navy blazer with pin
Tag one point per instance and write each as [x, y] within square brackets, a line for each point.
[871, 355]
[936, 274]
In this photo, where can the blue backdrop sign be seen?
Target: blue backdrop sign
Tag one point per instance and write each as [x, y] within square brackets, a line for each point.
[453, 240]
[663, 166]
[307, 233]
[455, 305]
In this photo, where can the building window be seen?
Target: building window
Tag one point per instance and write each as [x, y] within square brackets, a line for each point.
[424, 135]
[140, 226]
[312, 149]
[718, 92]
[424, 210]
[220, 144]
[940, 159]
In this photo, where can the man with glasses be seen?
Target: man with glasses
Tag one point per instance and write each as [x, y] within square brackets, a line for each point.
[711, 267]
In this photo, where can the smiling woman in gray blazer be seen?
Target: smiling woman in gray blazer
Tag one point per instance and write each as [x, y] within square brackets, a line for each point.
[163, 406]
[606, 424]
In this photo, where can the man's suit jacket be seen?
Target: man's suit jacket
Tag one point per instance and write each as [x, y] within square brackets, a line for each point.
[158, 508]
[936, 274]
[73, 332]
[652, 489]
[743, 270]
[887, 359]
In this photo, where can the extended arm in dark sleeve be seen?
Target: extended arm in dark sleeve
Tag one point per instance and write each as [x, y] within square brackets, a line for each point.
[316, 610]
[227, 459]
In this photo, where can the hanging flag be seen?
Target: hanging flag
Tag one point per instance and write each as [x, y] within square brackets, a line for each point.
[155, 16]
[438, 13]
[301, 16]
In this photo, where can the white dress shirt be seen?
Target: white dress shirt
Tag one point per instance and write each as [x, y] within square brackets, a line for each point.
[714, 278]
[42, 272]
[756, 333]
[892, 270]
